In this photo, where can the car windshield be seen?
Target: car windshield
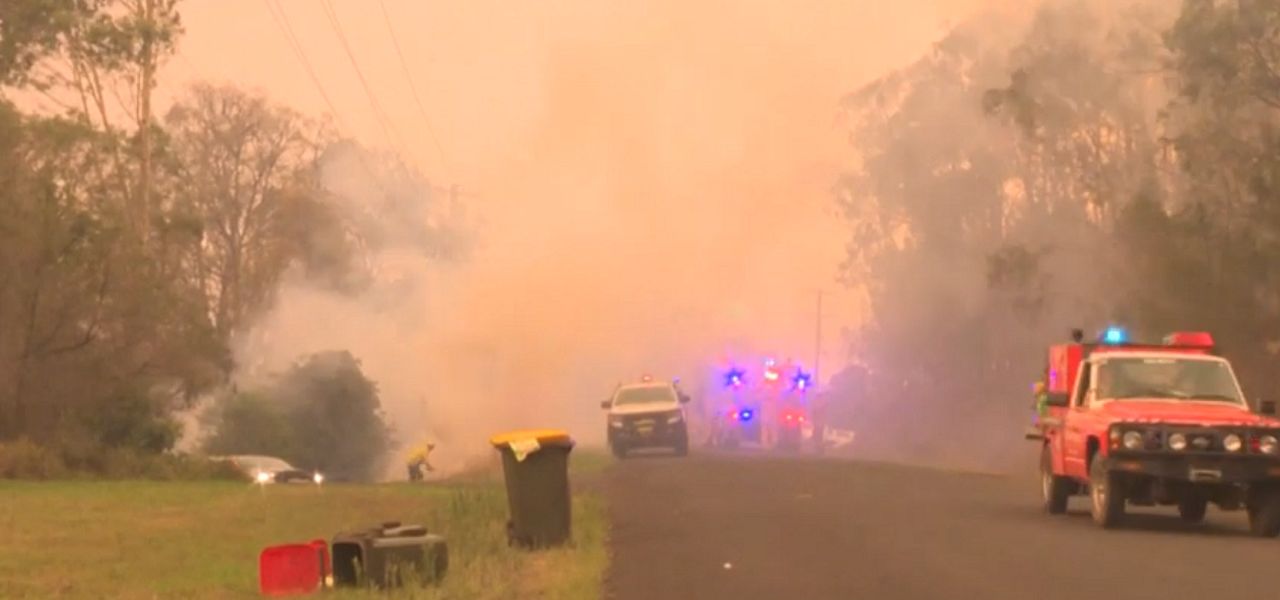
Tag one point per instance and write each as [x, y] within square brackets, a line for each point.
[265, 463]
[645, 395]
[1169, 378]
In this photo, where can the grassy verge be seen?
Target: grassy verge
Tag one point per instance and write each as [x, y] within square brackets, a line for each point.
[135, 539]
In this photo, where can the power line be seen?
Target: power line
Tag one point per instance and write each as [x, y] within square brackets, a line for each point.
[378, 114]
[282, 22]
[291, 38]
[395, 40]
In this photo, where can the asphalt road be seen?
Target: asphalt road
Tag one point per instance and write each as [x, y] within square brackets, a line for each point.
[711, 527]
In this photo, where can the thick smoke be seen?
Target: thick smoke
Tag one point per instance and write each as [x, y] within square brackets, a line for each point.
[653, 183]
[1019, 137]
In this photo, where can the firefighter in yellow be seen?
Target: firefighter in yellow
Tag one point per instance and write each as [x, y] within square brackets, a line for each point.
[1042, 403]
[419, 459]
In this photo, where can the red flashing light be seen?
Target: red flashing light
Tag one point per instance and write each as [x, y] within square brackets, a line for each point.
[646, 378]
[1196, 339]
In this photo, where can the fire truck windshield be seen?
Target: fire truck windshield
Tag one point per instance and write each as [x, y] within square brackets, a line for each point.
[1167, 378]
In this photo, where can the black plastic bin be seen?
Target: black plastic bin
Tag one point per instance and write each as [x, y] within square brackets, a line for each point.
[537, 480]
[389, 555]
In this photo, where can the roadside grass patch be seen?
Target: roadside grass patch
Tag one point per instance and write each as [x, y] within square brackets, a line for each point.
[153, 539]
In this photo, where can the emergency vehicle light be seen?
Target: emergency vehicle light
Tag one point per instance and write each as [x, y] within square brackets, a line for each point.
[1200, 339]
[801, 381]
[745, 415]
[1114, 335]
[733, 378]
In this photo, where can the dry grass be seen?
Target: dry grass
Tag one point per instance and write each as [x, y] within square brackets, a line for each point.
[139, 539]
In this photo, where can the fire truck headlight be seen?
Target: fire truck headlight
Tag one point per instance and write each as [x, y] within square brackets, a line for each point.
[1232, 443]
[1178, 442]
[1268, 444]
[1132, 440]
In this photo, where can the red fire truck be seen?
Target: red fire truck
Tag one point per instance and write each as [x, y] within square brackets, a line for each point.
[1155, 424]
[771, 410]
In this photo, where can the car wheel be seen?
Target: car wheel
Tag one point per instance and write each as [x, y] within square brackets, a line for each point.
[1192, 509]
[1054, 490]
[1264, 512]
[1106, 494]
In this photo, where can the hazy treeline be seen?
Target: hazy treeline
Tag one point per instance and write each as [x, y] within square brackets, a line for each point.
[1086, 164]
[135, 244]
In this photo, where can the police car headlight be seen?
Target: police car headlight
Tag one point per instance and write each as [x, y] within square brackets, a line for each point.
[263, 477]
[676, 418]
[1232, 442]
[1178, 442]
[318, 478]
[1268, 444]
[1132, 440]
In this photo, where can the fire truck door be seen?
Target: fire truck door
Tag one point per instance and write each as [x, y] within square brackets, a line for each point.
[1074, 432]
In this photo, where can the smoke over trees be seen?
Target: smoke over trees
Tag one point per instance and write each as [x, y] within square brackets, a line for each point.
[134, 246]
[1114, 162]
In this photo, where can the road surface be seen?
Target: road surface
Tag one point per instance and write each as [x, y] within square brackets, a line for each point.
[712, 527]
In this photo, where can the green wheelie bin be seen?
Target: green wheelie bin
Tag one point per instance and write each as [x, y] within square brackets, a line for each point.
[535, 466]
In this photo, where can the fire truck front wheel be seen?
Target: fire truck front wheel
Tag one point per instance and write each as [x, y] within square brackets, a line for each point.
[1054, 490]
[1264, 511]
[1106, 492]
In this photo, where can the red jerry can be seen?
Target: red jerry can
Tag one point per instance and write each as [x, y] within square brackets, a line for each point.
[322, 547]
[293, 569]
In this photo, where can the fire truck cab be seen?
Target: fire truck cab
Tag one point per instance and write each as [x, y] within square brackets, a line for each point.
[1155, 424]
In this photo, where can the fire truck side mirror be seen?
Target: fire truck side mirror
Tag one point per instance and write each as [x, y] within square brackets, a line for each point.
[1058, 399]
[1267, 407]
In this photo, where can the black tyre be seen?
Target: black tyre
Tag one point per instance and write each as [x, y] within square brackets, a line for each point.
[1054, 490]
[1264, 512]
[1192, 509]
[1107, 495]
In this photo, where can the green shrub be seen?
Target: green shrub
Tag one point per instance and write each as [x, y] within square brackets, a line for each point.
[24, 459]
[321, 414]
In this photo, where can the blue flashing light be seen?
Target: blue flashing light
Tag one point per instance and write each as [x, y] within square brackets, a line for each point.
[734, 378]
[745, 415]
[801, 381]
[1114, 335]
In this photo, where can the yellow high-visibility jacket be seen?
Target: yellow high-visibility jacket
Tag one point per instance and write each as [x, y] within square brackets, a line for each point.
[419, 455]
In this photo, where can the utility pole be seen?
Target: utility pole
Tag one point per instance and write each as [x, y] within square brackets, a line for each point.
[817, 345]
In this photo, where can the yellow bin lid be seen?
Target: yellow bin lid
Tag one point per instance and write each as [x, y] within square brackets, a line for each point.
[545, 437]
